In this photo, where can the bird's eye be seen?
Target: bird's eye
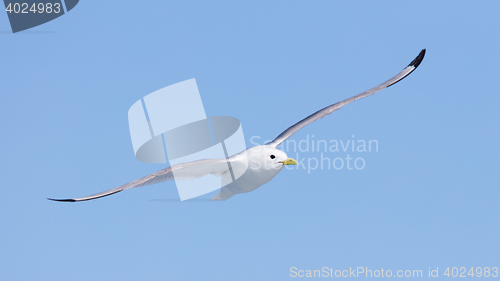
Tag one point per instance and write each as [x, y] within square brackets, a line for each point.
[272, 156]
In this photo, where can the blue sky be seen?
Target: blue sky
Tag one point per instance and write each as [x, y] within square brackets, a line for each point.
[427, 198]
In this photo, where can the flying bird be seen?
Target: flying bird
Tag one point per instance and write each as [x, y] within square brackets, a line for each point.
[254, 166]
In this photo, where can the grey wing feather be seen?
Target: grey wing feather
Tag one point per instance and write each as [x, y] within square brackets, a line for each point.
[190, 170]
[334, 107]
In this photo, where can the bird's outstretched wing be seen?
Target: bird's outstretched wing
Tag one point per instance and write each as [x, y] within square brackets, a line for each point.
[184, 171]
[330, 109]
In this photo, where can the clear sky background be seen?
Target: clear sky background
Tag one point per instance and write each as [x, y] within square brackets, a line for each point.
[429, 197]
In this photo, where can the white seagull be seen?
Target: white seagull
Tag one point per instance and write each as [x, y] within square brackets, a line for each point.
[256, 165]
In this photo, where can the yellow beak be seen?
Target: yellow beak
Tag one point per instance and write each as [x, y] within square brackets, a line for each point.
[289, 161]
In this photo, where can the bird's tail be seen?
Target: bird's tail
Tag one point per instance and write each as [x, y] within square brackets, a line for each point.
[223, 194]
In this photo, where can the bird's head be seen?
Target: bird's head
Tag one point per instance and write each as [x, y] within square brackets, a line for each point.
[268, 157]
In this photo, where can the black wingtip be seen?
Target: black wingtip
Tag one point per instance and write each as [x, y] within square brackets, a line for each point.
[416, 62]
[62, 200]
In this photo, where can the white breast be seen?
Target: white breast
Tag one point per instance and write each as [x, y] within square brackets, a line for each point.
[249, 172]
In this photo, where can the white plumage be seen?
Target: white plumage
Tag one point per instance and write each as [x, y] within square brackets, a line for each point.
[254, 166]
